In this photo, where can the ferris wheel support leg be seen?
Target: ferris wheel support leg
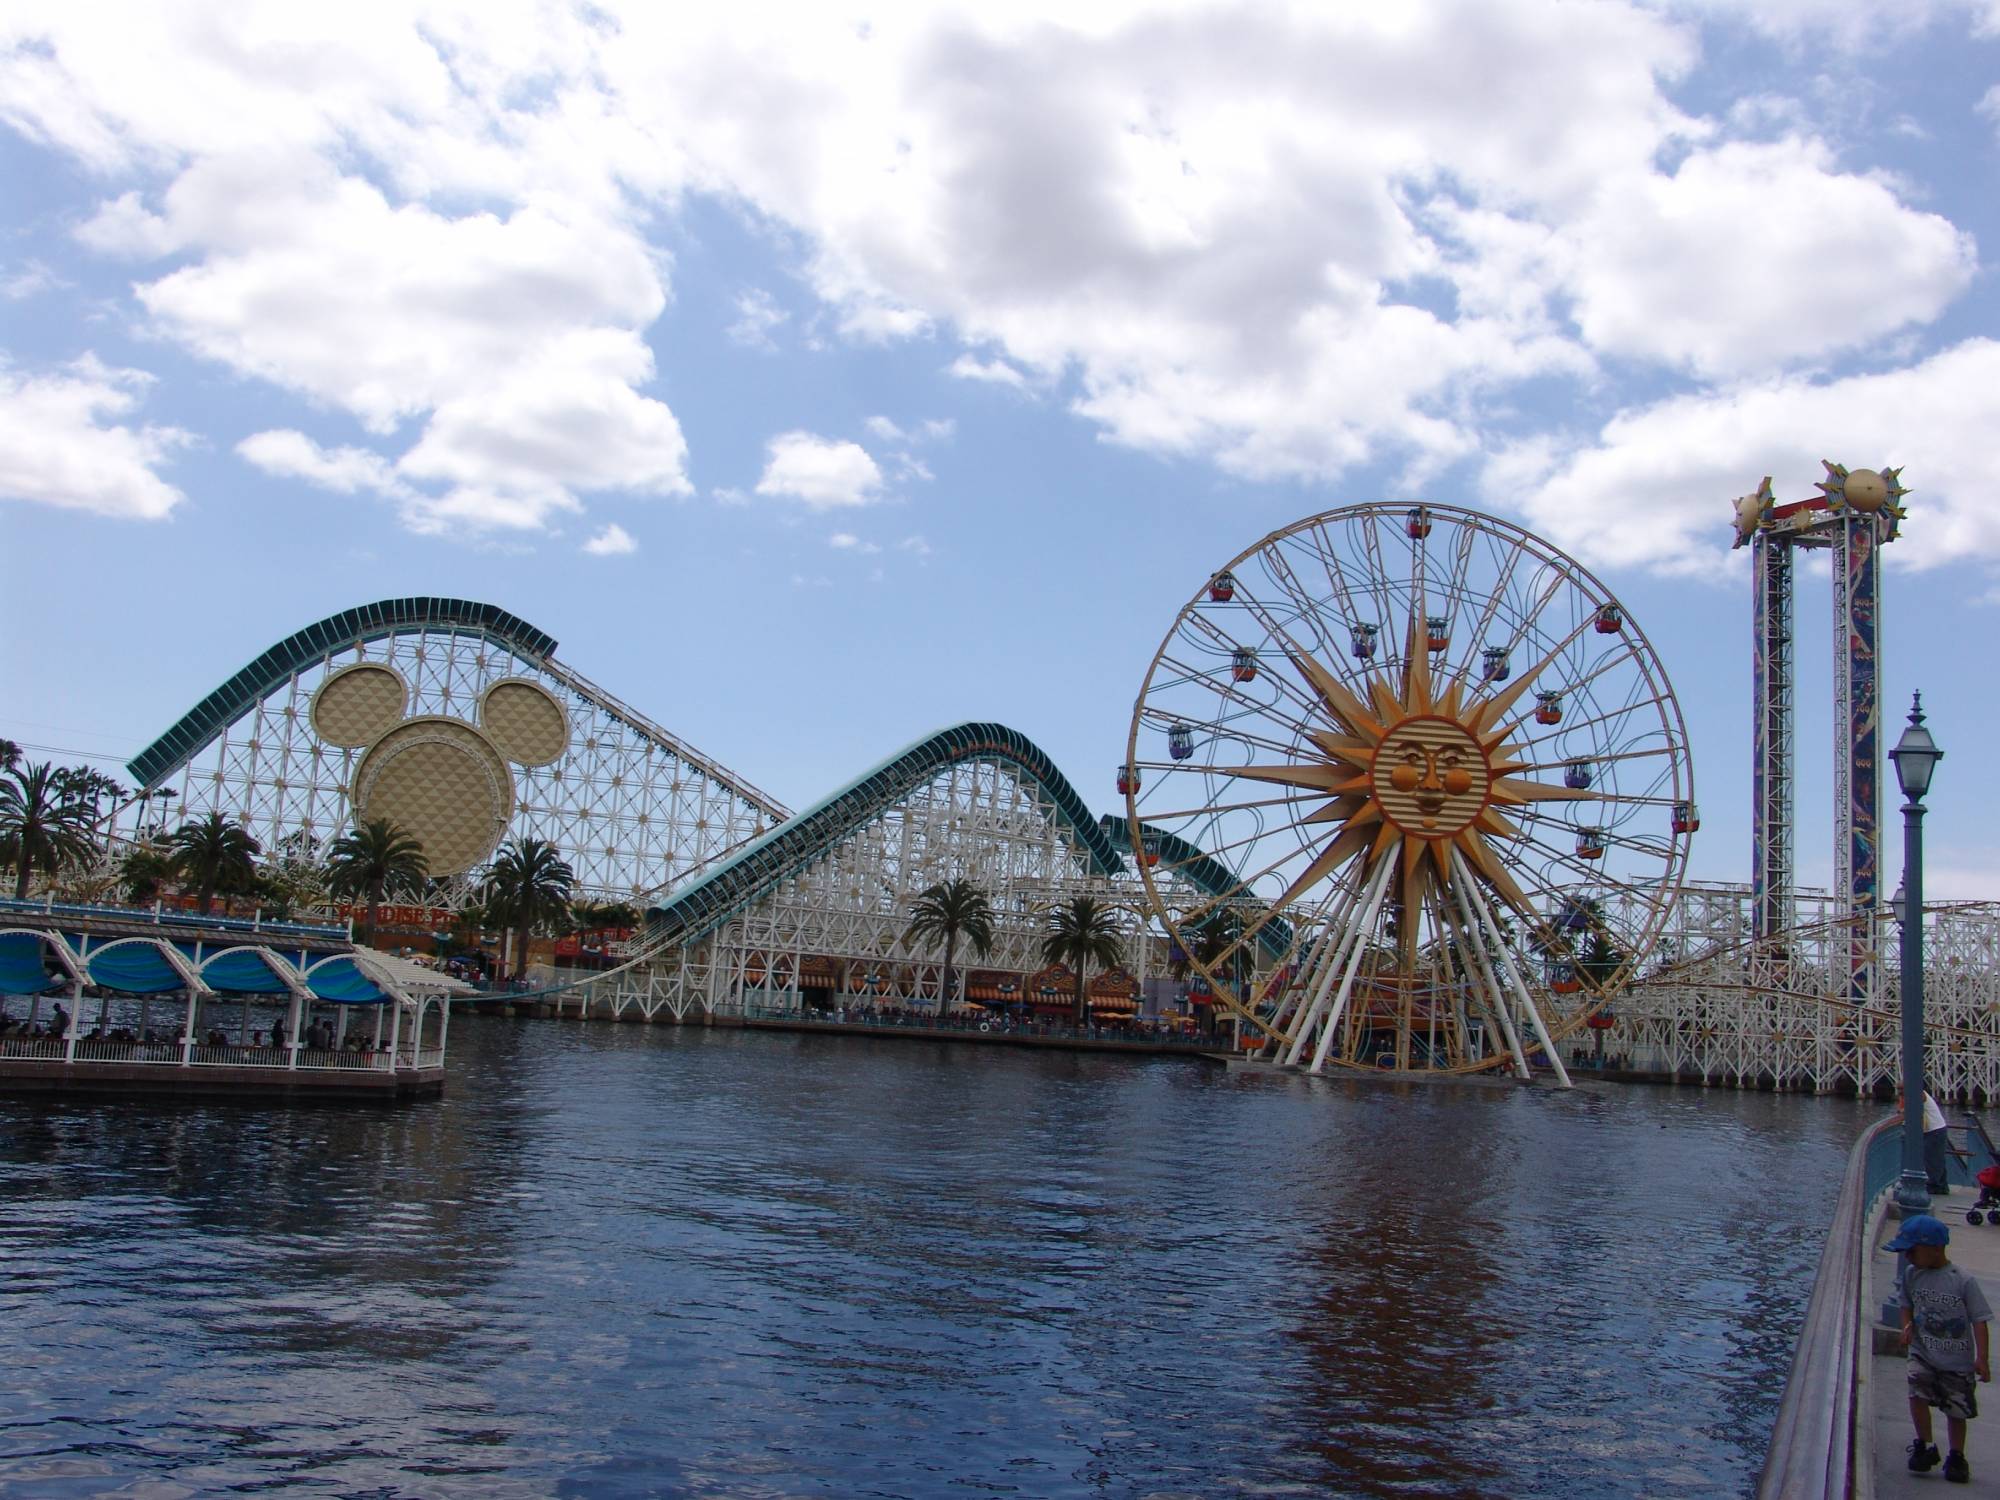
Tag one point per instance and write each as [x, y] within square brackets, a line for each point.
[1494, 995]
[1477, 898]
[1333, 946]
[1349, 936]
[1365, 925]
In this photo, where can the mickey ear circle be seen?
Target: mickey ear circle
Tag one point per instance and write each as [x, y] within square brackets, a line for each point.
[359, 704]
[524, 721]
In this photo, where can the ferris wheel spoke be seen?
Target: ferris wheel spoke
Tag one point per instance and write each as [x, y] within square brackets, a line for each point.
[1580, 688]
[1231, 688]
[1208, 809]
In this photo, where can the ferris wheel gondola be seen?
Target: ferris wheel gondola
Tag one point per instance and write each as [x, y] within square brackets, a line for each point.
[1434, 756]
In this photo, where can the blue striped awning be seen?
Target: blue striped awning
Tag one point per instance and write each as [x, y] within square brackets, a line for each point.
[133, 968]
[341, 981]
[21, 971]
[246, 971]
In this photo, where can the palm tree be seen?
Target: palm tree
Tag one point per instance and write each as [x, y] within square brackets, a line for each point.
[362, 862]
[1083, 932]
[45, 820]
[950, 910]
[213, 854]
[528, 888]
[145, 868]
[1217, 933]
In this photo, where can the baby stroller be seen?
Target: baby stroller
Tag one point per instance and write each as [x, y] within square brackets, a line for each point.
[1987, 1209]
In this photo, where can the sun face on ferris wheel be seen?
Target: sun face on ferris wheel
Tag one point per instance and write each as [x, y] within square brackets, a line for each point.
[1414, 772]
[1423, 780]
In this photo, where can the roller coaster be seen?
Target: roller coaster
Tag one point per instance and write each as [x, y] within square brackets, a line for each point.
[457, 718]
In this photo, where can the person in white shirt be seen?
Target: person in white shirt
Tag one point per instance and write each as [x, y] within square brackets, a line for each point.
[1937, 1140]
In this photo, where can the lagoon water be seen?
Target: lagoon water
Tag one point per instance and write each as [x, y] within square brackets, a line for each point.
[625, 1261]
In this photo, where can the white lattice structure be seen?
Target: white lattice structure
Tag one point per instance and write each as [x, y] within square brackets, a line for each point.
[632, 807]
[834, 888]
[1717, 1007]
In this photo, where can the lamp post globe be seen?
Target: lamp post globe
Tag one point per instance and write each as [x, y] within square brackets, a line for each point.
[1916, 756]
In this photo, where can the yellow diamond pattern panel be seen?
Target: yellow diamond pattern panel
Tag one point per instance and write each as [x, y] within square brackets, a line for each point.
[525, 722]
[359, 703]
[444, 784]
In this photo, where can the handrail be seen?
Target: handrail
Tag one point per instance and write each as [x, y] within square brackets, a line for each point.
[1812, 1441]
[158, 916]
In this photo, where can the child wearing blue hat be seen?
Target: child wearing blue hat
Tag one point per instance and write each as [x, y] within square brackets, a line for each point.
[1944, 1328]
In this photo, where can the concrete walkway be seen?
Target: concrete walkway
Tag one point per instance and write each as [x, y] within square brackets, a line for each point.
[1976, 1250]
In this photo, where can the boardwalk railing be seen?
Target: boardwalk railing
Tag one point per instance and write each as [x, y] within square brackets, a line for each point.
[1812, 1451]
[1812, 1442]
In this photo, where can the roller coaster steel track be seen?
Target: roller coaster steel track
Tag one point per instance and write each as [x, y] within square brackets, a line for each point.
[630, 805]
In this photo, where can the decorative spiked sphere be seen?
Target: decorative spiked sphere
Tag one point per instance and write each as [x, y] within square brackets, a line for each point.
[1866, 490]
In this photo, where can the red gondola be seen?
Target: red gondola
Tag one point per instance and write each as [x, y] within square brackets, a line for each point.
[1437, 632]
[1548, 708]
[1610, 620]
[1222, 587]
[1243, 666]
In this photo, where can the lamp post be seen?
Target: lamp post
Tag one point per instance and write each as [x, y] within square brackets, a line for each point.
[1916, 756]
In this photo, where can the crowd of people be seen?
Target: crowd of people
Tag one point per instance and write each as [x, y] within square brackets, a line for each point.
[320, 1035]
[1011, 1023]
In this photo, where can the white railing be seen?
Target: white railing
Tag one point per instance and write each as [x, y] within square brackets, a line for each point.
[338, 1058]
[431, 1057]
[22, 1046]
[168, 1054]
[238, 1057]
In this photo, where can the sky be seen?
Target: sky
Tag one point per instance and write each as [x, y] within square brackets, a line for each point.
[822, 376]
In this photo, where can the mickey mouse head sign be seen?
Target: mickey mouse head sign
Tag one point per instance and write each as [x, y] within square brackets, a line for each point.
[443, 781]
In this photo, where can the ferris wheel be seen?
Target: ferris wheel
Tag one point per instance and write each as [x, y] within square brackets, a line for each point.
[1410, 790]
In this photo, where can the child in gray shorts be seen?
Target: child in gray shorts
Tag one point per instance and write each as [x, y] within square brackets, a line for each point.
[1944, 1328]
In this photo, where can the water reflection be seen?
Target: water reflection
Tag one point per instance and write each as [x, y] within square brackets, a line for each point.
[627, 1261]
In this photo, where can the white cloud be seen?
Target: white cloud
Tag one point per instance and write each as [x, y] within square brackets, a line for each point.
[1750, 256]
[61, 443]
[292, 455]
[1851, 25]
[847, 541]
[758, 316]
[930, 430]
[516, 337]
[31, 280]
[914, 545]
[613, 541]
[1281, 239]
[821, 473]
[1653, 489]
[991, 371]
